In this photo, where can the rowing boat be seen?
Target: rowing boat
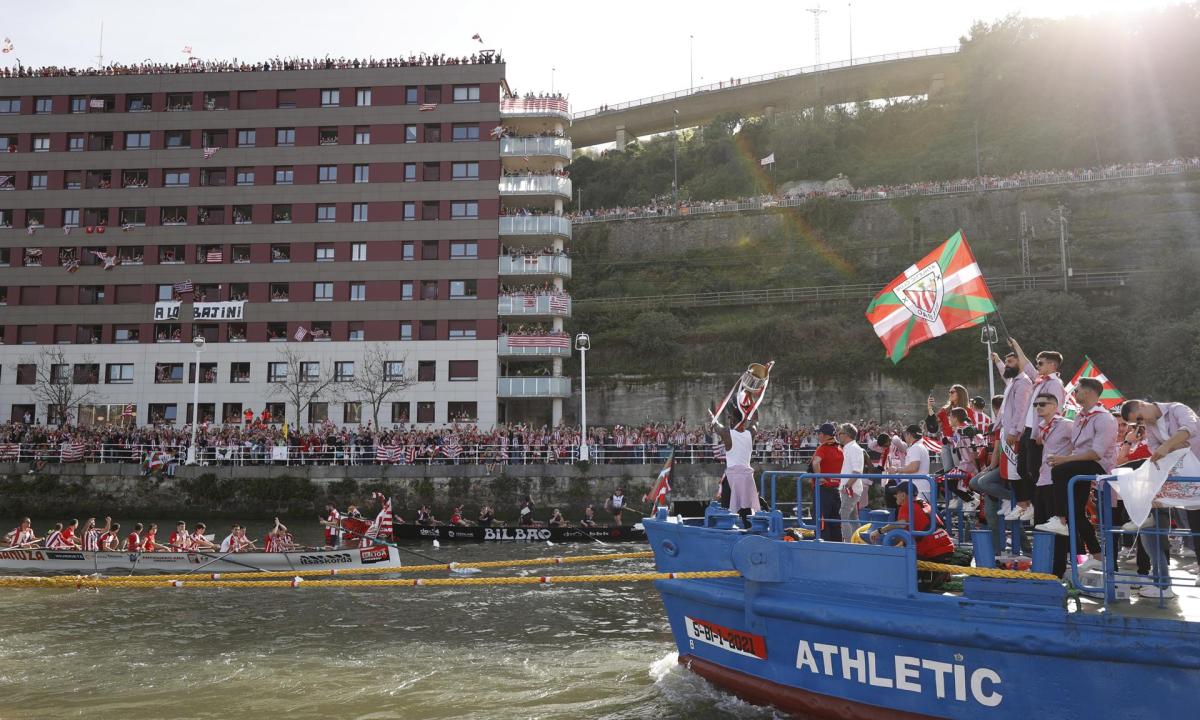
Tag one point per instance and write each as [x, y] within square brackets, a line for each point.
[615, 533]
[46, 560]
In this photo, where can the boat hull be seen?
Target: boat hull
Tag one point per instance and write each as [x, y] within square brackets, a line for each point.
[41, 560]
[454, 533]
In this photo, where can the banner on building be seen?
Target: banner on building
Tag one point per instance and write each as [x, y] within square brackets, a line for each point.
[229, 310]
[166, 310]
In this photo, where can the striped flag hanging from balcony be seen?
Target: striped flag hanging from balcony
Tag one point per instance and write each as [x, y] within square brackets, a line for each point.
[452, 448]
[531, 262]
[96, 104]
[559, 303]
[73, 451]
[539, 341]
[213, 256]
[391, 454]
[185, 286]
[10, 452]
[426, 107]
[209, 152]
[410, 454]
[129, 411]
[529, 301]
[300, 333]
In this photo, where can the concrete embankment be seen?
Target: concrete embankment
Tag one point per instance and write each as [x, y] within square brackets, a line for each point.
[260, 492]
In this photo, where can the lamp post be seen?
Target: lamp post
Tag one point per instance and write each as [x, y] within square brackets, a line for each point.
[583, 343]
[675, 160]
[988, 337]
[198, 343]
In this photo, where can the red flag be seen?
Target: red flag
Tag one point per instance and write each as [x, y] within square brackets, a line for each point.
[662, 486]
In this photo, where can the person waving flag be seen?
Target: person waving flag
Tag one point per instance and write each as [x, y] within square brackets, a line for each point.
[943, 292]
[662, 486]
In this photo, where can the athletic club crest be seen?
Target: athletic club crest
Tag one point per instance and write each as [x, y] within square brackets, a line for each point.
[921, 293]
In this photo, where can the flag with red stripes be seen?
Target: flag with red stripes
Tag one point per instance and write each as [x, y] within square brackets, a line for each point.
[559, 303]
[10, 452]
[73, 451]
[214, 256]
[662, 485]
[383, 521]
[931, 444]
[389, 453]
[426, 107]
[410, 454]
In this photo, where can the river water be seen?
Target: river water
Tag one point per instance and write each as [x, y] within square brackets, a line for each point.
[585, 651]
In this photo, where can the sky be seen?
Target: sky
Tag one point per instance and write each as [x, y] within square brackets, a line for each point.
[597, 53]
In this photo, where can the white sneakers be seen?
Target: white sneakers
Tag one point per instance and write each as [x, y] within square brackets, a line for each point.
[1054, 525]
[1152, 591]
[1090, 564]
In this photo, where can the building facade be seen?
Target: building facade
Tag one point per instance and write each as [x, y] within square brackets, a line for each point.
[316, 225]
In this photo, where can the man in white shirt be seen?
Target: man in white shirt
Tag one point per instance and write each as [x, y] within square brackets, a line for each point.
[916, 461]
[852, 490]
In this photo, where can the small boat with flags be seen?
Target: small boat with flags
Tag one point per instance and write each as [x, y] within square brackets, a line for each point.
[46, 560]
[476, 533]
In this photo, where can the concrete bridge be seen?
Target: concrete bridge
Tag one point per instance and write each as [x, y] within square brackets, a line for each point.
[917, 72]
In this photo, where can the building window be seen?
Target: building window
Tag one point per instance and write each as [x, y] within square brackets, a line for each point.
[277, 372]
[360, 212]
[466, 93]
[464, 132]
[281, 252]
[77, 142]
[465, 171]
[242, 214]
[429, 290]
[410, 211]
[433, 94]
[118, 373]
[358, 291]
[176, 178]
[331, 98]
[310, 371]
[323, 252]
[352, 412]
[465, 210]
[277, 332]
[362, 173]
[285, 137]
[425, 412]
[318, 412]
[41, 143]
[327, 174]
[393, 370]
[284, 174]
[133, 141]
[323, 291]
[430, 210]
[400, 413]
[246, 138]
[170, 215]
[327, 136]
[279, 292]
[244, 176]
[281, 213]
[239, 372]
[343, 371]
[463, 289]
[362, 135]
[326, 213]
[464, 412]
[429, 249]
[433, 133]
[43, 105]
[406, 250]
[178, 139]
[410, 133]
[427, 330]
[406, 289]
[163, 413]
[38, 181]
[71, 217]
[355, 332]
[285, 99]
[462, 329]
[169, 373]
[410, 95]
[358, 252]
[406, 331]
[464, 250]
[464, 370]
[431, 172]
[410, 172]
[137, 103]
[362, 97]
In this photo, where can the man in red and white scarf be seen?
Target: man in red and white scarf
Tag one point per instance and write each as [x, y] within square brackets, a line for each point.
[382, 527]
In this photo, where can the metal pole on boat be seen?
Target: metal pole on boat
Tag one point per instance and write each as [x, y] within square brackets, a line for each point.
[989, 337]
[198, 343]
[583, 343]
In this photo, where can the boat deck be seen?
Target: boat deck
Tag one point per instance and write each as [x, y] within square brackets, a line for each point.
[1184, 606]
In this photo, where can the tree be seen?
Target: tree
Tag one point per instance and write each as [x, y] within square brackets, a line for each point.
[382, 375]
[305, 382]
[58, 386]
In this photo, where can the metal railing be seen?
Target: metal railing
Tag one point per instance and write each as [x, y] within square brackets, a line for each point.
[535, 225]
[504, 349]
[538, 146]
[770, 481]
[533, 387]
[536, 265]
[556, 305]
[738, 83]
[902, 191]
[536, 185]
[536, 107]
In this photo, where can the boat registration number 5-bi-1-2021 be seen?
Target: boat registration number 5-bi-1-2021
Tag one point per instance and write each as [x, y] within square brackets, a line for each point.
[734, 641]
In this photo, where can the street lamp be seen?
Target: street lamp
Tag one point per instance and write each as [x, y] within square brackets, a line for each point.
[583, 343]
[988, 337]
[675, 157]
[198, 343]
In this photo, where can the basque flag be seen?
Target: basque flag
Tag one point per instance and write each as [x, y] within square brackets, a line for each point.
[662, 486]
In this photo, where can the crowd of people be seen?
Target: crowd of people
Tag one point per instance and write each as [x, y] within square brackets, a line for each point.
[665, 207]
[275, 64]
[143, 537]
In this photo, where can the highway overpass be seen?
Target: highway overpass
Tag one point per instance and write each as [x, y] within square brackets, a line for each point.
[917, 72]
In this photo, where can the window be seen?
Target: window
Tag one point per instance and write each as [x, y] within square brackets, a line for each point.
[358, 252]
[60, 374]
[464, 250]
[425, 412]
[247, 99]
[79, 104]
[245, 176]
[352, 412]
[38, 181]
[133, 141]
[362, 135]
[318, 412]
[399, 413]
[286, 99]
[170, 254]
[240, 254]
[406, 290]
[246, 138]
[242, 214]
[212, 177]
[76, 142]
[410, 172]
[465, 171]
[362, 173]
[433, 94]
[277, 332]
[71, 217]
[216, 101]
[37, 218]
[433, 133]
[360, 212]
[207, 412]
[137, 103]
[323, 291]
[86, 373]
[406, 250]
[208, 371]
[362, 97]
[231, 413]
[431, 172]
[277, 372]
[430, 210]
[463, 289]
[132, 216]
[427, 330]
[285, 136]
[355, 331]
[164, 292]
[410, 95]
[410, 133]
[135, 178]
[171, 373]
[326, 213]
[426, 371]
[464, 132]
[211, 215]
[27, 374]
[72, 180]
[179, 101]
[41, 143]
[239, 372]
[115, 373]
[343, 371]
[310, 371]
[466, 93]
[172, 215]
[284, 174]
[327, 174]
[358, 291]
[163, 413]
[331, 98]
[466, 412]
[410, 210]
[406, 331]
[178, 139]
[462, 329]
[281, 213]
[176, 178]
[429, 289]
[393, 370]
[324, 252]
[466, 210]
[43, 105]
[281, 252]
[464, 370]
[327, 136]
[429, 249]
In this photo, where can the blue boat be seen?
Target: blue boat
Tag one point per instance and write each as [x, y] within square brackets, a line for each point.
[840, 630]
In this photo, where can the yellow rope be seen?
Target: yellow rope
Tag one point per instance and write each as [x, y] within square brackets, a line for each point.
[984, 572]
[387, 570]
[88, 582]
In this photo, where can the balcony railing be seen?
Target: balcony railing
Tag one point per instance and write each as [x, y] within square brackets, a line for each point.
[534, 387]
[535, 185]
[535, 107]
[534, 305]
[536, 265]
[535, 225]
[534, 346]
[536, 147]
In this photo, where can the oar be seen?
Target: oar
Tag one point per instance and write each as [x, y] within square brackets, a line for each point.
[218, 559]
[377, 541]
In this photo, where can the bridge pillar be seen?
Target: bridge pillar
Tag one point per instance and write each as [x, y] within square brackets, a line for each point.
[622, 139]
[936, 84]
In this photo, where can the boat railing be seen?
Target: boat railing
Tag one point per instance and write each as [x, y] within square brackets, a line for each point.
[1157, 534]
[771, 478]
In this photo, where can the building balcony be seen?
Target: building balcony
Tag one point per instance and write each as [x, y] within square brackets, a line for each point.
[529, 306]
[536, 185]
[534, 347]
[535, 107]
[535, 225]
[533, 387]
[529, 265]
[536, 147]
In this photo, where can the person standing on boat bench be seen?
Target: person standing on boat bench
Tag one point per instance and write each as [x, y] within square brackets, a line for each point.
[1052, 433]
[828, 459]
[1044, 379]
[851, 490]
[616, 505]
[743, 492]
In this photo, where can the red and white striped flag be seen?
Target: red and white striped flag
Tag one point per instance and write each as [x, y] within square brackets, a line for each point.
[530, 263]
[410, 454]
[662, 485]
[559, 303]
[529, 301]
[8, 46]
[452, 448]
[214, 256]
[383, 521]
[300, 333]
[426, 107]
[719, 450]
[187, 50]
[10, 452]
[96, 103]
[184, 286]
[209, 152]
[389, 453]
[73, 451]
[129, 411]
[476, 37]
[539, 341]
[931, 444]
